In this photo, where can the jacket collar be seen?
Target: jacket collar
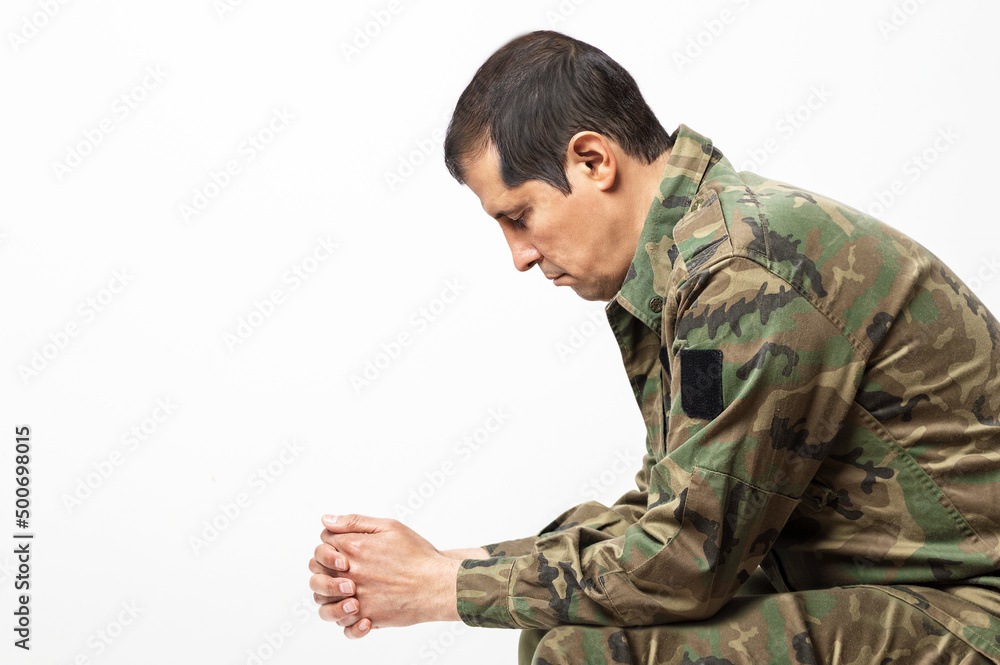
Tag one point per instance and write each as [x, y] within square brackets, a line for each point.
[645, 282]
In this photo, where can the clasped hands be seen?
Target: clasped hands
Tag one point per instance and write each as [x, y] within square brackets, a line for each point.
[374, 573]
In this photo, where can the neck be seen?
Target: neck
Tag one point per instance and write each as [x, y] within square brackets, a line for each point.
[647, 186]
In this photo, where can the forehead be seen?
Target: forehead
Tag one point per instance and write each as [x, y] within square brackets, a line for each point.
[482, 175]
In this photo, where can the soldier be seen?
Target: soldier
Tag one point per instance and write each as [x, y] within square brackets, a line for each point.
[821, 397]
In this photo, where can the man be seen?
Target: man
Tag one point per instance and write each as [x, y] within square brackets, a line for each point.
[821, 397]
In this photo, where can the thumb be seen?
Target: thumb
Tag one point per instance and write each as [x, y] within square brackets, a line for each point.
[354, 524]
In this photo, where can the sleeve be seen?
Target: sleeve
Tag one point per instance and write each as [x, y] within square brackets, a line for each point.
[760, 382]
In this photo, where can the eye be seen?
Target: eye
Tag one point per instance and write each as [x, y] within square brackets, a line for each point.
[518, 222]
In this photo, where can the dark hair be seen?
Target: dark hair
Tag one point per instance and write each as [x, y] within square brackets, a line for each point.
[533, 95]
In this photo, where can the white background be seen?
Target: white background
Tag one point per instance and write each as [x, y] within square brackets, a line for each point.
[884, 81]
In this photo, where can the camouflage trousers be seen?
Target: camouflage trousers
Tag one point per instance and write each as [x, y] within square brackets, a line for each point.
[855, 625]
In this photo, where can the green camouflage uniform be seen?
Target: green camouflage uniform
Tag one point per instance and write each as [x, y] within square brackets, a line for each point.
[821, 396]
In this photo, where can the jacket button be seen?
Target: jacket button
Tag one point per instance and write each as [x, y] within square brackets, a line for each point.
[656, 304]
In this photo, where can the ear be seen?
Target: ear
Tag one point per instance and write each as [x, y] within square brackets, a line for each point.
[592, 157]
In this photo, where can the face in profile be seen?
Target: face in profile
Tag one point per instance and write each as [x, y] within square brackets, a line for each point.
[574, 239]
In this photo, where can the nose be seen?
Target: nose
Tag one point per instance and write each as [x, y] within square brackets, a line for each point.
[524, 254]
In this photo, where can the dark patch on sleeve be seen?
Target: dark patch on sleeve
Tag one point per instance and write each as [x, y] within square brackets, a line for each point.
[674, 201]
[701, 382]
[879, 327]
[938, 567]
[493, 550]
[711, 530]
[977, 411]
[469, 564]
[884, 406]
[844, 506]
[618, 646]
[763, 304]
[872, 472]
[757, 362]
[803, 649]
[547, 575]
[782, 248]
[787, 437]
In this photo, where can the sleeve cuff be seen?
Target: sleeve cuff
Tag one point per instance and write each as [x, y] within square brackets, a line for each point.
[482, 592]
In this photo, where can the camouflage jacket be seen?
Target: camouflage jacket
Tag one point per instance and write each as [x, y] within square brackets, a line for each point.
[821, 397]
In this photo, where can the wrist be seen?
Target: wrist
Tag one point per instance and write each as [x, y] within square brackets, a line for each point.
[446, 601]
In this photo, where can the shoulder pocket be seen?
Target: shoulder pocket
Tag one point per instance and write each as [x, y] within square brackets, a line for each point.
[702, 233]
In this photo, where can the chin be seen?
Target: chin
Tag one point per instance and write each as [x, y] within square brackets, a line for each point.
[591, 294]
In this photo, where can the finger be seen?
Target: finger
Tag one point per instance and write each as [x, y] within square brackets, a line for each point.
[338, 611]
[323, 600]
[328, 555]
[358, 630]
[318, 568]
[349, 620]
[356, 523]
[325, 585]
